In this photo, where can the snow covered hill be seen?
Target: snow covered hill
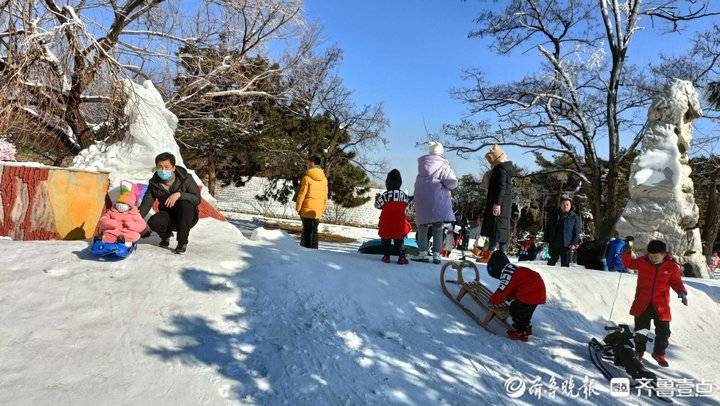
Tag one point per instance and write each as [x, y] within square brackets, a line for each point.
[260, 320]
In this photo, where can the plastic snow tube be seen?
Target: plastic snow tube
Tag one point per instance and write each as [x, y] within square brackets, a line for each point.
[375, 247]
[111, 249]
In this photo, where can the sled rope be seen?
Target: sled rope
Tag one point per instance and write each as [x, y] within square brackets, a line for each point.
[617, 290]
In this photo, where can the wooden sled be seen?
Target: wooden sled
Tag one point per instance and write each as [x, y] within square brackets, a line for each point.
[477, 291]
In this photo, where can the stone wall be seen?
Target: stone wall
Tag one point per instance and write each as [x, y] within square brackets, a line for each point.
[242, 200]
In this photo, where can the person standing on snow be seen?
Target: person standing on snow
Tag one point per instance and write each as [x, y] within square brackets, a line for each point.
[393, 226]
[498, 203]
[657, 273]
[312, 199]
[178, 200]
[433, 202]
[562, 233]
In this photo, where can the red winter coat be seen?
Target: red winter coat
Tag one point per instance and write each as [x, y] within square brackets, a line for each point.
[653, 284]
[519, 283]
[114, 224]
[393, 223]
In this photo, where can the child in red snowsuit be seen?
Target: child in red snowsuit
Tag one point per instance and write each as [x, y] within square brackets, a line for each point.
[523, 286]
[657, 273]
[393, 225]
[122, 223]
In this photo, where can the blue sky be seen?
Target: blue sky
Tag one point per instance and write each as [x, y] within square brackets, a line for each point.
[408, 54]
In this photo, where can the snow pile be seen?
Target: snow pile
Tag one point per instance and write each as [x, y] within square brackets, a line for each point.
[265, 322]
[662, 205]
[7, 150]
[151, 131]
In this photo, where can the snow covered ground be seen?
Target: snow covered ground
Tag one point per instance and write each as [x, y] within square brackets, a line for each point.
[259, 320]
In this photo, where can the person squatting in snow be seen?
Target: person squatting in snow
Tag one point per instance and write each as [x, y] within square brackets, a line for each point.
[123, 222]
[393, 225]
[311, 201]
[562, 233]
[432, 201]
[657, 273]
[523, 286]
[178, 200]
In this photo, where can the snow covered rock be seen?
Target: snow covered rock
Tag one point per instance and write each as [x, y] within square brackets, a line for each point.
[7, 150]
[151, 129]
[662, 205]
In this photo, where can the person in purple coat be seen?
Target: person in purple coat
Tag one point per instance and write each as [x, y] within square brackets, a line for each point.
[433, 204]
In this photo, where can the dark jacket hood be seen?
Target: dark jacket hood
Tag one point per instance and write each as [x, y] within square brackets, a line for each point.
[393, 180]
[498, 260]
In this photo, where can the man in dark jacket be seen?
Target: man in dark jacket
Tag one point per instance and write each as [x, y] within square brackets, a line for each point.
[498, 204]
[562, 233]
[178, 199]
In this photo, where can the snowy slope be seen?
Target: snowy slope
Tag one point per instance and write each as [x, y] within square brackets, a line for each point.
[261, 321]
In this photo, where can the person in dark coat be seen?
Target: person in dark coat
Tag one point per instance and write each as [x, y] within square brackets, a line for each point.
[178, 199]
[393, 226]
[562, 233]
[498, 204]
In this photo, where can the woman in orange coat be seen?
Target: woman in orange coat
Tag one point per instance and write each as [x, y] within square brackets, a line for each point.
[311, 201]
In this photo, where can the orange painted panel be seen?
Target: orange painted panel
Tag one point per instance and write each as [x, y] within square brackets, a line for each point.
[77, 200]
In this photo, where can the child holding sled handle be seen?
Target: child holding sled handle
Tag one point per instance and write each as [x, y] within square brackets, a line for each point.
[657, 273]
[522, 286]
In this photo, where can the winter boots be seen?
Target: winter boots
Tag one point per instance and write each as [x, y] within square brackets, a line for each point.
[660, 358]
[520, 335]
[402, 260]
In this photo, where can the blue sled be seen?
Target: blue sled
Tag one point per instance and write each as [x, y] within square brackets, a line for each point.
[112, 250]
[375, 247]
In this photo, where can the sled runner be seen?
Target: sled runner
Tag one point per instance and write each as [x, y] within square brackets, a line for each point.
[110, 251]
[615, 358]
[476, 290]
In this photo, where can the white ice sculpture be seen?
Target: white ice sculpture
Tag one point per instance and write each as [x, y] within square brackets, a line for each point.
[151, 129]
[662, 205]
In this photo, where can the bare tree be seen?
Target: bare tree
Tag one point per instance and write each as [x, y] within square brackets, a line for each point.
[59, 62]
[584, 92]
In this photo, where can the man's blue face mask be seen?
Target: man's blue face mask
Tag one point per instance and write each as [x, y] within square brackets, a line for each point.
[164, 174]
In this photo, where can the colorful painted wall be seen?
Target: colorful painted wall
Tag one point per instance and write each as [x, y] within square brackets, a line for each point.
[47, 203]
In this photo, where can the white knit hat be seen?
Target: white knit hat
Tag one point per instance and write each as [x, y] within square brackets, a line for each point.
[435, 148]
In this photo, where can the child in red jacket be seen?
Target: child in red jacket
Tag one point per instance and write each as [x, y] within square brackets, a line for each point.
[123, 222]
[523, 286]
[657, 273]
[393, 223]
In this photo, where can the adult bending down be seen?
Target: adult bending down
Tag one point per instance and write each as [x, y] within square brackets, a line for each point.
[178, 199]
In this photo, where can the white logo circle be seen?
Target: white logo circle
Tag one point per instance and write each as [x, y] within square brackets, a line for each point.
[515, 387]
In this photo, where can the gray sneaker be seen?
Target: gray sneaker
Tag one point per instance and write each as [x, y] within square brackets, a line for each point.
[436, 258]
[422, 256]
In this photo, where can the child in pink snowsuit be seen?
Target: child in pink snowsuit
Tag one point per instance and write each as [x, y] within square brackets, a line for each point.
[123, 222]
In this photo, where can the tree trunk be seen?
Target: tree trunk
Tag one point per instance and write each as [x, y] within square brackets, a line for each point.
[711, 225]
